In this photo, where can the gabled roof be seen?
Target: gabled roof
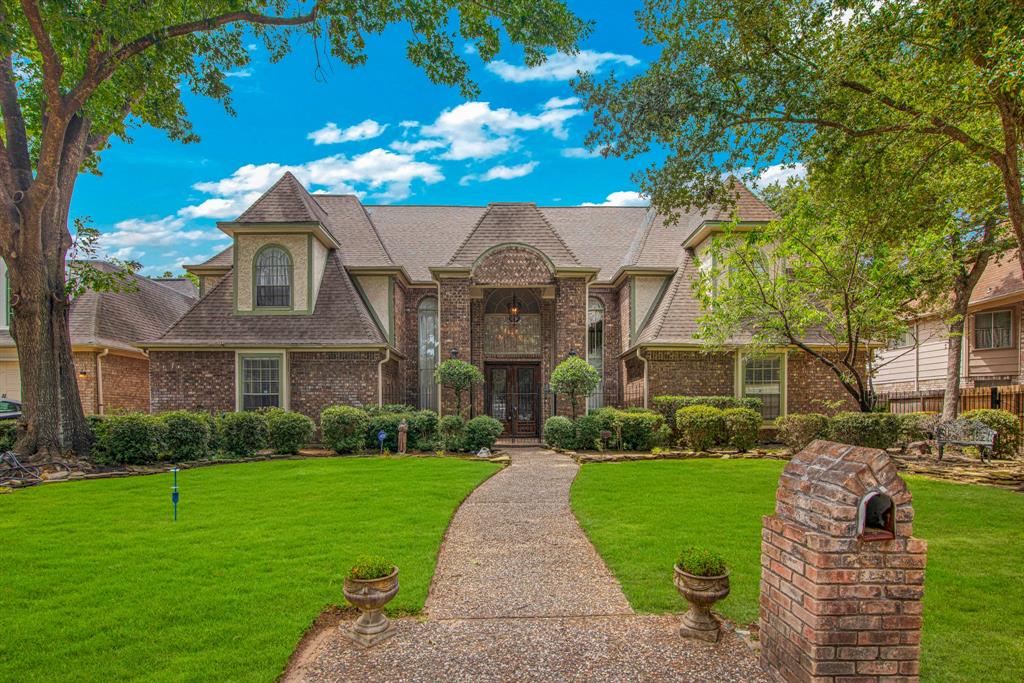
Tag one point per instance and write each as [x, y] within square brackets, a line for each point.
[518, 222]
[1001, 278]
[182, 285]
[287, 201]
[747, 206]
[338, 319]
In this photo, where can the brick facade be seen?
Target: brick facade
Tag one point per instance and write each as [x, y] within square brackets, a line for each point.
[840, 600]
[125, 382]
[512, 267]
[192, 380]
[690, 373]
[318, 379]
[813, 388]
[454, 323]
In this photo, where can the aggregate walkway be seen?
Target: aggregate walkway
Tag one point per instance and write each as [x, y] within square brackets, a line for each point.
[520, 594]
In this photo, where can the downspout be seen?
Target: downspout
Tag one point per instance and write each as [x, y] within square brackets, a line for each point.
[100, 408]
[640, 355]
[380, 377]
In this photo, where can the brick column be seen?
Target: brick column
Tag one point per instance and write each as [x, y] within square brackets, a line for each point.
[841, 581]
[454, 328]
[570, 325]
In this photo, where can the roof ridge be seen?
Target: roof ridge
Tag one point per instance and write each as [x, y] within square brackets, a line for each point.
[373, 226]
[640, 241]
[472, 231]
[557, 234]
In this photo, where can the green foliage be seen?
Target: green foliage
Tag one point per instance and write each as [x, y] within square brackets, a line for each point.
[796, 430]
[242, 434]
[189, 435]
[288, 432]
[459, 376]
[669, 405]
[874, 430]
[917, 427]
[640, 429]
[588, 432]
[482, 432]
[369, 567]
[86, 273]
[387, 423]
[560, 432]
[741, 427]
[452, 430]
[701, 562]
[8, 434]
[344, 428]
[131, 439]
[423, 430]
[576, 378]
[700, 427]
[1007, 426]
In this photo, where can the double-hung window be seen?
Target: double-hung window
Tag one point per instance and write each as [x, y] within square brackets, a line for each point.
[261, 379]
[763, 378]
[993, 330]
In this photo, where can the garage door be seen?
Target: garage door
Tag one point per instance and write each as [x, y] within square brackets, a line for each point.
[10, 380]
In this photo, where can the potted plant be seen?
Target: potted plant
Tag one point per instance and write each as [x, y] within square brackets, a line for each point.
[702, 578]
[370, 584]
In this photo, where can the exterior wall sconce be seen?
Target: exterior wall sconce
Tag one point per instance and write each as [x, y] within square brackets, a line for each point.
[454, 353]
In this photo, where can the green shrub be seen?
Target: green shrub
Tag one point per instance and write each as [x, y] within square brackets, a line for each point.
[482, 432]
[639, 428]
[662, 438]
[799, 429]
[741, 427]
[423, 430]
[873, 430]
[131, 439]
[387, 423]
[701, 562]
[560, 432]
[459, 376]
[668, 406]
[700, 427]
[608, 421]
[8, 434]
[242, 434]
[588, 432]
[288, 432]
[1008, 433]
[575, 378]
[371, 567]
[189, 435]
[344, 428]
[916, 427]
[452, 430]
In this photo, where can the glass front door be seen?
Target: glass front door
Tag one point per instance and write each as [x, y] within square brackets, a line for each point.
[513, 398]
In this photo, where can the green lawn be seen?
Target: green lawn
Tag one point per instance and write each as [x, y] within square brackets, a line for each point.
[638, 514]
[98, 584]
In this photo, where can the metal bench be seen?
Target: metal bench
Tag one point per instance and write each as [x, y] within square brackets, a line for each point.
[961, 432]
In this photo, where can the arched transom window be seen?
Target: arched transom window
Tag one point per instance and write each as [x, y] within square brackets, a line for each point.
[512, 324]
[273, 276]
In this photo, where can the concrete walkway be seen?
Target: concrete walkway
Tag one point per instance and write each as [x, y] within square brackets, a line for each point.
[520, 594]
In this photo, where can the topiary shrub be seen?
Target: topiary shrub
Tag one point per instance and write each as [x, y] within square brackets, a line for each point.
[1008, 432]
[560, 432]
[668, 406]
[189, 435]
[8, 434]
[741, 427]
[482, 432]
[799, 429]
[131, 439]
[344, 428]
[916, 427]
[639, 428]
[575, 378]
[873, 430]
[242, 434]
[459, 376]
[369, 567]
[288, 432]
[701, 562]
[588, 432]
[452, 430]
[700, 427]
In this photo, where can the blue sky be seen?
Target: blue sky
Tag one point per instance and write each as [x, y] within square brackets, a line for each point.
[382, 131]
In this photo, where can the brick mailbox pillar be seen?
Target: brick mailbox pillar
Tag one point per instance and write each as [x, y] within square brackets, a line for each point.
[841, 577]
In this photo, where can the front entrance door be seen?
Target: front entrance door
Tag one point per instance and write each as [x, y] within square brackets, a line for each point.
[513, 398]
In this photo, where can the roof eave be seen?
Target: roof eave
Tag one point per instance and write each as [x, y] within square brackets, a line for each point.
[317, 228]
[708, 228]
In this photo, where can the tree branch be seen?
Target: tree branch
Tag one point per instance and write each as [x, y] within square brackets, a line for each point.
[14, 126]
[53, 68]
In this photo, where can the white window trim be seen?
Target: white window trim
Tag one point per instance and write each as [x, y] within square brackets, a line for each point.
[784, 378]
[974, 330]
[285, 376]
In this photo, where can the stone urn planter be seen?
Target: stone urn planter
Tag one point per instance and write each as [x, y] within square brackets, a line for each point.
[701, 592]
[370, 596]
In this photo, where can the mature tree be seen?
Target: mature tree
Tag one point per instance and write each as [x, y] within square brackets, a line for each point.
[822, 279]
[72, 73]
[576, 378]
[741, 84]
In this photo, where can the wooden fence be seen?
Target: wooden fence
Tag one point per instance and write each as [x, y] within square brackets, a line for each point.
[1009, 398]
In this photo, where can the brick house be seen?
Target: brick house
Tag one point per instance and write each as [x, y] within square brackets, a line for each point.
[322, 300]
[112, 371]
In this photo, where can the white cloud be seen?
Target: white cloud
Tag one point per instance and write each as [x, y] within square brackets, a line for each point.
[473, 130]
[622, 198]
[500, 172]
[241, 73]
[220, 207]
[580, 153]
[133, 233]
[559, 102]
[407, 147]
[330, 134]
[559, 66]
[251, 47]
[409, 123]
[780, 173]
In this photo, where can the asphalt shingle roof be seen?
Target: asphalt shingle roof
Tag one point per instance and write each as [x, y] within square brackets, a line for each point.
[513, 222]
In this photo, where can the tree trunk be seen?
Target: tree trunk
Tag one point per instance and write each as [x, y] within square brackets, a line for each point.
[963, 288]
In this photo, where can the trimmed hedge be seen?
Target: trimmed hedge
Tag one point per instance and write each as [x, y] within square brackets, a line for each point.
[344, 428]
[288, 432]
[130, 439]
[873, 430]
[588, 432]
[741, 427]
[799, 429]
[1008, 432]
[668, 406]
[641, 429]
[700, 427]
[242, 434]
[916, 427]
[189, 435]
[452, 430]
[482, 432]
[560, 432]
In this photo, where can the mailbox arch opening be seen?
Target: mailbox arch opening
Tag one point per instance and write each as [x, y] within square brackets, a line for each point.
[877, 518]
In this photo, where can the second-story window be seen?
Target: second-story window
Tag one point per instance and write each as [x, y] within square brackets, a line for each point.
[273, 275]
[993, 330]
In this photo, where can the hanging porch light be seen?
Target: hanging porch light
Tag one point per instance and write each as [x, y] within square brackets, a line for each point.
[513, 310]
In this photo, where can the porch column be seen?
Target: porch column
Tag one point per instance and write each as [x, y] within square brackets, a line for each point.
[454, 328]
[570, 325]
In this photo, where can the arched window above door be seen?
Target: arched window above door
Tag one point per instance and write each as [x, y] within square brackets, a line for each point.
[512, 324]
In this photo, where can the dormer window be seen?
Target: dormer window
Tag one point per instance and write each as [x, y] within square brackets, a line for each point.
[272, 273]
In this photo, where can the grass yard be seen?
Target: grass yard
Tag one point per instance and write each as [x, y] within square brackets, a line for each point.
[98, 584]
[638, 515]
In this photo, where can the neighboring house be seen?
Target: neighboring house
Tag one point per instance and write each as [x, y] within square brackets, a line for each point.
[322, 300]
[991, 353]
[112, 371]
